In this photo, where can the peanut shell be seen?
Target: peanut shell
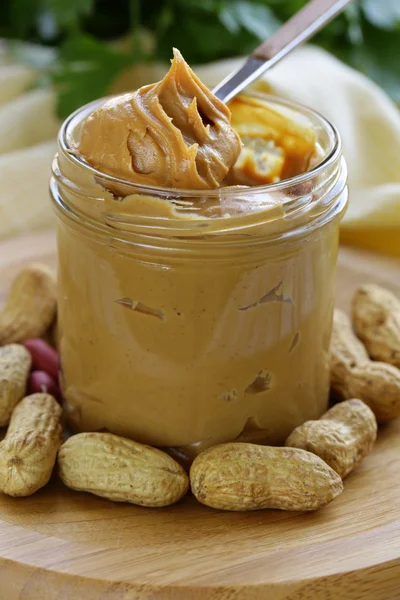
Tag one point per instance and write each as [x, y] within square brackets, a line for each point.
[376, 318]
[242, 476]
[31, 305]
[354, 375]
[29, 450]
[15, 363]
[121, 470]
[342, 437]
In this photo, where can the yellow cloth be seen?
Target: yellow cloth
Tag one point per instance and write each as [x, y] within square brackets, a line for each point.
[368, 121]
[28, 129]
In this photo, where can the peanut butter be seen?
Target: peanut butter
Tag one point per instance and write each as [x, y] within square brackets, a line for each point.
[174, 133]
[193, 317]
[276, 144]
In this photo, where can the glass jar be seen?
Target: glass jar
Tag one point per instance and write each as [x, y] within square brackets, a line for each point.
[185, 330]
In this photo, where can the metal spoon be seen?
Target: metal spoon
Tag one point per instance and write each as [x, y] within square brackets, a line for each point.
[307, 21]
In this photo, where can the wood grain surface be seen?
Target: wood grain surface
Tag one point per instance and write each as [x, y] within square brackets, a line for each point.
[64, 545]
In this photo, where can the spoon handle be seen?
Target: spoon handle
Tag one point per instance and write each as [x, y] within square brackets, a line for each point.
[299, 28]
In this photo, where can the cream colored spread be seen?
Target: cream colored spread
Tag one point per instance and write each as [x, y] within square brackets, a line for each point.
[174, 133]
[190, 332]
[172, 348]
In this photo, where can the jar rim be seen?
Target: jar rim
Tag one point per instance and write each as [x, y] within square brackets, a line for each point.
[332, 155]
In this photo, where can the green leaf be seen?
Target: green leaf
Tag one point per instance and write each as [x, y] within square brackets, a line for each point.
[213, 6]
[201, 36]
[385, 14]
[257, 19]
[354, 19]
[284, 10]
[366, 36]
[85, 71]
[166, 18]
[378, 58]
[22, 16]
[229, 20]
[47, 26]
[37, 56]
[69, 12]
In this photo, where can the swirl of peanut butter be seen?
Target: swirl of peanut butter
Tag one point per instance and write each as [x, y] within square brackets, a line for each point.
[174, 133]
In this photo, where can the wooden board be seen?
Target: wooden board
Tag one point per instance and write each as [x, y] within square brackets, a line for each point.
[63, 545]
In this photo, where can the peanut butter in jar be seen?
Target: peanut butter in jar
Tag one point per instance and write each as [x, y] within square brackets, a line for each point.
[197, 252]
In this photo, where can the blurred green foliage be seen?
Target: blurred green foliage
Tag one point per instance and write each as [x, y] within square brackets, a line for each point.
[71, 42]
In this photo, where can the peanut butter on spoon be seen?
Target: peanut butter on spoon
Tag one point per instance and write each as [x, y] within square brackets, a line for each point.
[174, 133]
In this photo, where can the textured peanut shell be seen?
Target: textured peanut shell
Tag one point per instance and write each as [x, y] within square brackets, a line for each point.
[346, 349]
[378, 385]
[121, 470]
[31, 305]
[15, 363]
[354, 375]
[376, 318]
[29, 450]
[242, 476]
[342, 437]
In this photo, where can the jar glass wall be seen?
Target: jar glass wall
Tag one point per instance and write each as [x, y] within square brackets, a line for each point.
[190, 318]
